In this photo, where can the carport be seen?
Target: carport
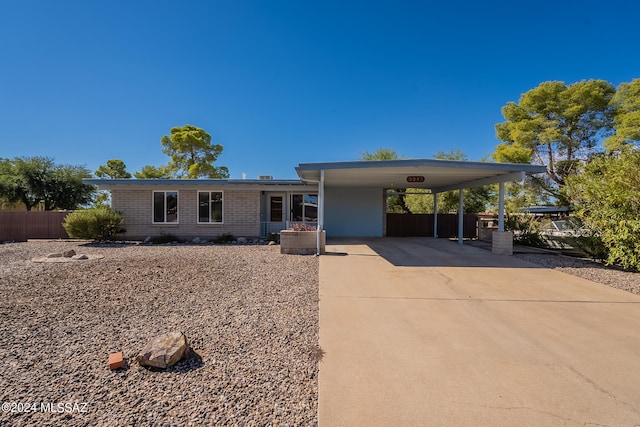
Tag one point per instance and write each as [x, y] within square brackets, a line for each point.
[351, 195]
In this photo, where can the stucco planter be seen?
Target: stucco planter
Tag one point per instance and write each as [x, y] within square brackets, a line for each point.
[502, 242]
[301, 242]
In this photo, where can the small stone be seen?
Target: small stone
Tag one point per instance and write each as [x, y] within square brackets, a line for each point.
[271, 243]
[196, 240]
[164, 350]
[242, 240]
[147, 239]
[69, 253]
[54, 255]
[80, 256]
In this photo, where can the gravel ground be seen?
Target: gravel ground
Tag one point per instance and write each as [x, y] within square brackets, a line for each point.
[587, 269]
[249, 313]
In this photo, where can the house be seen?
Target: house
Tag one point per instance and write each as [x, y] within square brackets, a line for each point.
[343, 198]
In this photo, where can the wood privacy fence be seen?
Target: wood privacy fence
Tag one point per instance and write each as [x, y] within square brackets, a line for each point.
[20, 226]
[404, 225]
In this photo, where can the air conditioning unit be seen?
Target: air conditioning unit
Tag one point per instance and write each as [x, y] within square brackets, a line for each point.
[265, 177]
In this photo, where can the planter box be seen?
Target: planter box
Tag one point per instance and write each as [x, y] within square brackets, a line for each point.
[301, 242]
[502, 243]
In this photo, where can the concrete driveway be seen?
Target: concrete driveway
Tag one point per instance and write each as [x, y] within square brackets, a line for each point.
[424, 332]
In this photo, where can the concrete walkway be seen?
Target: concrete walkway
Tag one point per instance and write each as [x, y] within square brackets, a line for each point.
[424, 332]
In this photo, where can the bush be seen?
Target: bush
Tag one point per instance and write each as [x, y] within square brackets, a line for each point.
[224, 238]
[525, 231]
[97, 224]
[593, 245]
[164, 238]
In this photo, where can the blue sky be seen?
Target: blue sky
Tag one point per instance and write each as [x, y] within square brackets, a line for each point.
[283, 82]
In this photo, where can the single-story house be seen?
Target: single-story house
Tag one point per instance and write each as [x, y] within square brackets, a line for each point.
[343, 198]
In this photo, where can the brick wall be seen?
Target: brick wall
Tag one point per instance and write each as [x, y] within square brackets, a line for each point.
[241, 214]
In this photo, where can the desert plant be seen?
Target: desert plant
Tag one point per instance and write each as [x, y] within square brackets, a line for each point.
[164, 238]
[592, 244]
[98, 223]
[224, 238]
[297, 226]
[525, 231]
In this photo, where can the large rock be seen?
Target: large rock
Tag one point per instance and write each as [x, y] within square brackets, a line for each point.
[164, 351]
[69, 253]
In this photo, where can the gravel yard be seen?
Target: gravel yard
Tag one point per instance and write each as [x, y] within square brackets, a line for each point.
[626, 280]
[250, 314]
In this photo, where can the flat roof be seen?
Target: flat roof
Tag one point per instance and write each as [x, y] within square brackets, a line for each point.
[437, 175]
[245, 184]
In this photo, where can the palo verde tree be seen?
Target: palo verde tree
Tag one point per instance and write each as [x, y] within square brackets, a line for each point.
[153, 172]
[192, 153]
[38, 180]
[113, 169]
[558, 126]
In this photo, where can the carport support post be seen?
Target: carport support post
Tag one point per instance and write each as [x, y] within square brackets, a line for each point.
[501, 206]
[460, 216]
[320, 212]
[435, 215]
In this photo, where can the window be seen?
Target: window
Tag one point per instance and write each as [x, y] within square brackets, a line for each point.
[304, 207]
[276, 209]
[165, 206]
[210, 206]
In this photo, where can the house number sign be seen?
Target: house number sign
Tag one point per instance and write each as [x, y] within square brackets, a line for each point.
[415, 178]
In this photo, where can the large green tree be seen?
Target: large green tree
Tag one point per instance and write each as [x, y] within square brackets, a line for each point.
[626, 104]
[114, 169]
[607, 197]
[38, 180]
[556, 125]
[192, 153]
[153, 172]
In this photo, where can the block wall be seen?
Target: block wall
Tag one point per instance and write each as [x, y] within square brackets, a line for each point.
[241, 214]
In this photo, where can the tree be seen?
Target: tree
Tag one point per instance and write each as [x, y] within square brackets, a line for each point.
[192, 153]
[557, 126]
[381, 154]
[475, 199]
[153, 172]
[114, 169]
[35, 180]
[607, 197]
[395, 203]
[626, 104]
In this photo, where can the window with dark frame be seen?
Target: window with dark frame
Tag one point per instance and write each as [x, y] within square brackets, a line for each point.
[165, 207]
[210, 207]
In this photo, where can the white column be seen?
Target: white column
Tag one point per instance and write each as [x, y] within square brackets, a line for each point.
[435, 215]
[501, 206]
[460, 216]
[320, 226]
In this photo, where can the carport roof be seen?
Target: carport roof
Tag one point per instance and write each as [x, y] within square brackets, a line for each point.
[437, 175]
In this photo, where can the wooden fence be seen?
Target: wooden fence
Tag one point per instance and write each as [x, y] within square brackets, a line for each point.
[20, 226]
[404, 225]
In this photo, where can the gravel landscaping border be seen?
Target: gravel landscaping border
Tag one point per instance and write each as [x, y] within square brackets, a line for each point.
[587, 269]
[250, 315]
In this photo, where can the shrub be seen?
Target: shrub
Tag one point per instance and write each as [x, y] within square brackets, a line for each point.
[164, 238]
[224, 238]
[525, 231]
[593, 245]
[98, 224]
